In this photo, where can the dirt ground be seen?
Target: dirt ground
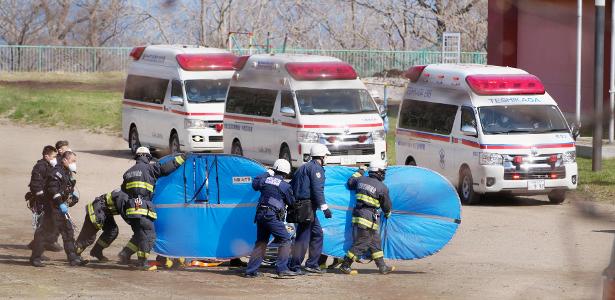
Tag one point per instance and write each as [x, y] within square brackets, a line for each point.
[506, 248]
[79, 86]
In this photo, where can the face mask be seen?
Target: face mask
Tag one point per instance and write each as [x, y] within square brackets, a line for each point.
[73, 167]
[53, 162]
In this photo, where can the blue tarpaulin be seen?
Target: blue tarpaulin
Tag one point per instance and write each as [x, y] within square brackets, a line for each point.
[206, 210]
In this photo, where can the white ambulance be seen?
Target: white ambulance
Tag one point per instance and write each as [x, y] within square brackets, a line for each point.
[279, 105]
[174, 97]
[487, 129]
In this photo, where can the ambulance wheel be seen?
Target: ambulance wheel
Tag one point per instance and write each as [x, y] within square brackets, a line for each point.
[133, 139]
[410, 161]
[466, 187]
[174, 143]
[285, 153]
[557, 196]
[236, 148]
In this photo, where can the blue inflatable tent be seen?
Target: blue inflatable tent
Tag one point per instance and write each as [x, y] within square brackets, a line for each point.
[206, 210]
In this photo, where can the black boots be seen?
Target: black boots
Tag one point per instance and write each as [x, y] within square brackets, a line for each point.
[384, 269]
[345, 267]
[124, 256]
[97, 252]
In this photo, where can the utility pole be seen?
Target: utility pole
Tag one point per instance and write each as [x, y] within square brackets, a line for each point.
[598, 86]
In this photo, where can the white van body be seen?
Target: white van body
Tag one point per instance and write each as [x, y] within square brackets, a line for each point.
[273, 113]
[487, 129]
[196, 77]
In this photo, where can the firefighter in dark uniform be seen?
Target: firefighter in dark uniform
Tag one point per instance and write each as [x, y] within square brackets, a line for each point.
[36, 196]
[99, 215]
[276, 194]
[59, 194]
[139, 183]
[309, 183]
[371, 195]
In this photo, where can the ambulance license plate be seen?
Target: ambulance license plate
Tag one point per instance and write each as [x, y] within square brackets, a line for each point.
[535, 185]
[348, 160]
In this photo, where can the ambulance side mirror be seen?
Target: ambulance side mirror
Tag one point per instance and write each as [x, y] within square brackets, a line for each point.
[176, 100]
[382, 110]
[287, 111]
[575, 130]
[469, 130]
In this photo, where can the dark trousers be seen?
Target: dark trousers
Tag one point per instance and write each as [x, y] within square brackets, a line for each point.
[87, 236]
[267, 224]
[62, 225]
[365, 241]
[309, 235]
[51, 232]
[144, 235]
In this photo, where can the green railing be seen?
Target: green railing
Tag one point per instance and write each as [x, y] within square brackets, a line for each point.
[116, 59]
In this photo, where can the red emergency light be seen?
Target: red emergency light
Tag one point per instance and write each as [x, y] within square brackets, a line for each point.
[321, 71]
[414, 73]
[240, 62]
[507, 84]
[136, 52]
[206, 62]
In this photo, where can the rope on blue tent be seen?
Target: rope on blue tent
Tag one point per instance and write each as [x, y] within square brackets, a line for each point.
[217, 181]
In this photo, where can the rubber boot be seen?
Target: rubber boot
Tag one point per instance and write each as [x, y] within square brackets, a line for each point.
[345, 267]
[97, 252]
[124, 256]
[382, 266]
[76, 260]
[36, 262]
[143, 265]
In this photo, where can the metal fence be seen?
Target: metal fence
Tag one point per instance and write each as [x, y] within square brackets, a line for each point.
[116, 59]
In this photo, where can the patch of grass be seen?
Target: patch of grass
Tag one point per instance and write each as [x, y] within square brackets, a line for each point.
[94, 110]
[391, 139]
[599, 186]
[93, 78]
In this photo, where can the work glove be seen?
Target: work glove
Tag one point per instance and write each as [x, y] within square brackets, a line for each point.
[64, 208]
[327, 213]
[270, 172]
[387, 215]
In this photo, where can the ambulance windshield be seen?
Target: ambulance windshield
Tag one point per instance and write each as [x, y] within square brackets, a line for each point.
[338, 101]
[522, 119]
[204, 91]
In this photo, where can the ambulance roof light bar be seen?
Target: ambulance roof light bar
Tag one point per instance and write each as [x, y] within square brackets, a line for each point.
[414, 72]
[321, 71]
[240, 62]
[206, 62]
[505, 84]
[136, 52]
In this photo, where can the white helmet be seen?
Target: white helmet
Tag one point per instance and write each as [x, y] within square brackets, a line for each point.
[142, 150]
[281, 165]
[377, 165]
[319, 150]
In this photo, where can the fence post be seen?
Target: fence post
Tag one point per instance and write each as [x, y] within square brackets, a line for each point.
[94, 60]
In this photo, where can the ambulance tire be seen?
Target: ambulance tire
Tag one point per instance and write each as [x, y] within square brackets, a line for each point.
[557, 196]
[285, 152]
[133, 139]
[466, 187]
[410, 161]
[236, 148]
[174, 143]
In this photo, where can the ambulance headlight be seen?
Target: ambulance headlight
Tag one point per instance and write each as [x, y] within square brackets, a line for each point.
[378, 135]
[490, 159]
[569, 157]
[194, 124]
[307, 137]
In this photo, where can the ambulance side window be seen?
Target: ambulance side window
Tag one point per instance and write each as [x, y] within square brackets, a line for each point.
[250, 101]
[176, 89]
[146, 89]
[287, 104]
[467, 117]
[427, 116]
